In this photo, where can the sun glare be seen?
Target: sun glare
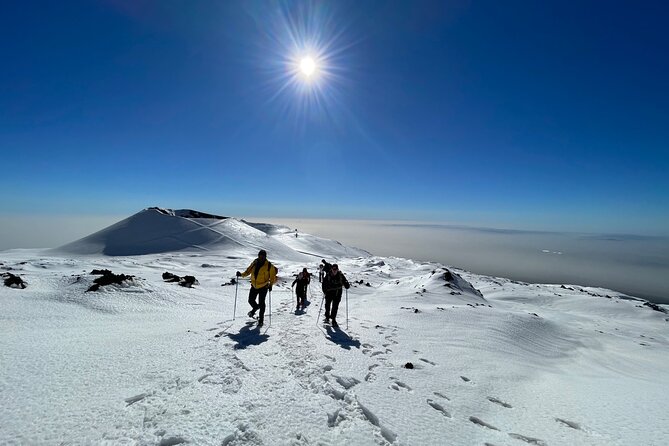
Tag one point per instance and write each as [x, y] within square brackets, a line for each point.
[307, 66]
[304, 60]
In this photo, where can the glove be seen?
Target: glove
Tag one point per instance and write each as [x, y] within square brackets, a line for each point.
[347, 285]
[239, 274]
[270, 287]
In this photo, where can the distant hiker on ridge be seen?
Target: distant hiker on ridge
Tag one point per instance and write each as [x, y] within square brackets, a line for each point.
[333, 282]
[303, 279]
[263, 276]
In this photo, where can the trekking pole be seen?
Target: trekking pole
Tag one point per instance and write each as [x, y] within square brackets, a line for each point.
[234, 311]
[319, 310]
[270, 307]
[347, 309]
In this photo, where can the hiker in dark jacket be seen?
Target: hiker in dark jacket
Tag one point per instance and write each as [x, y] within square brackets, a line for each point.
[323, 269]
[303, 280]
[263, 276]
[333, 282]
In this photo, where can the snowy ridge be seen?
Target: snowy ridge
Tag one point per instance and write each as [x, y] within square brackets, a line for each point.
[493, 361]
[156, 230]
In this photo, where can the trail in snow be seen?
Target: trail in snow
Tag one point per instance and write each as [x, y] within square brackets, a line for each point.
[493, 361]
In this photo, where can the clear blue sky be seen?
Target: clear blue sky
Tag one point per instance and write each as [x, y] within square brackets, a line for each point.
[551, 115]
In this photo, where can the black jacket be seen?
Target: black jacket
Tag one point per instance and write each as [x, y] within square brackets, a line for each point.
[302, 280]
[335, 283]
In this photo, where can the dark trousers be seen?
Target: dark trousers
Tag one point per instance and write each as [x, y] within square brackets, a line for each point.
[332, 299]
[261, 293]
[301, 293]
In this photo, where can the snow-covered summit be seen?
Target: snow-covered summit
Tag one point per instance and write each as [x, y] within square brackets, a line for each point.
[157, 230]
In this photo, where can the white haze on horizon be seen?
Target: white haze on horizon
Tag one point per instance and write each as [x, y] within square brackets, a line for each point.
[637, 265]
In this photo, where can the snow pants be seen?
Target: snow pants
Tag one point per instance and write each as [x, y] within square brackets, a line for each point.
[261, 293]
[332, 299]
[301, 294]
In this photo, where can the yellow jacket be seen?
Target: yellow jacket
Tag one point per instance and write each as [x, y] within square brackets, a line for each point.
[266, 274]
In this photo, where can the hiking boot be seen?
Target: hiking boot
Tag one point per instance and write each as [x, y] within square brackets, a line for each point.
[251, 313]
[326, 320]
[334, 323]
[260, 323]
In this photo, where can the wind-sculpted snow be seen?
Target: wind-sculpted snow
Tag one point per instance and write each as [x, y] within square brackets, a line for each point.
[494, 361]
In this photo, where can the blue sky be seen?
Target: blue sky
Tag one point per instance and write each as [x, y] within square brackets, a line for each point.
[533, 115]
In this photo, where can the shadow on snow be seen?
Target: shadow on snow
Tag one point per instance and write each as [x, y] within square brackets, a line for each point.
[341, 338]
[248, 335]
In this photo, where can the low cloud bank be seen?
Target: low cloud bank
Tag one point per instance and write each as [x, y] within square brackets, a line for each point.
[632, 264]
[636, 265]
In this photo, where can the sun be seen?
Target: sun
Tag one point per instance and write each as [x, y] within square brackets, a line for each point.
[308, 66]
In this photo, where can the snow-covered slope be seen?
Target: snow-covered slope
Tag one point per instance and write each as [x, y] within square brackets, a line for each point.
[495, 361]
[156, 230]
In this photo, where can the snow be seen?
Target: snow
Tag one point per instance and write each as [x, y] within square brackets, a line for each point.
[148, 362]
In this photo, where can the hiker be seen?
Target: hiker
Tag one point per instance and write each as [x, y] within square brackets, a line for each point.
[333, 281]
[263, 276]
[303, 279]
[323, 269]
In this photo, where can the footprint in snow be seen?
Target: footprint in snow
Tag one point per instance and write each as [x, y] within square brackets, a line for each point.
[171, 441]
[465, 379]
[371, 376]
[439, 407]
[346, 382]
[428, 361]
[134, 399]
[399, 384]
[482, 423]
[499, 402]
[570, 424]
[441, 395]
[529, 440]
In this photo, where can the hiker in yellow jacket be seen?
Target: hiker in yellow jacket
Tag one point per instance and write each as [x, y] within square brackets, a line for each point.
[263, 276]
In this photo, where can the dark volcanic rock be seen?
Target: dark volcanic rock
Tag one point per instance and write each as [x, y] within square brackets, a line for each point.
[13, 281]
[655, 307]
[188, 281]
[169, 277]
[185, 281]
[100, 272]
[109, 278]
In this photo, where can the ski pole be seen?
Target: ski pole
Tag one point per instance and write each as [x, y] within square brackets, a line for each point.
[347, 308]
[234, 311]
[270, 307]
